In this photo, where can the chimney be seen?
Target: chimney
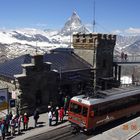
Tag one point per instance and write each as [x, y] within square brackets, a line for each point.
[37, 60]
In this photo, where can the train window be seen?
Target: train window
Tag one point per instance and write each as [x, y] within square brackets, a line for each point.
[119, 104]
[85, 111]
[95, 109]
[115, 105]
[75, 108]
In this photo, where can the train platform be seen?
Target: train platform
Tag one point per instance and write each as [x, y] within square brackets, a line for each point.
[42, 127]
[122, 132]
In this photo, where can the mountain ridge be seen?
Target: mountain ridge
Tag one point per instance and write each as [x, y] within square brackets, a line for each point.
[27, 40]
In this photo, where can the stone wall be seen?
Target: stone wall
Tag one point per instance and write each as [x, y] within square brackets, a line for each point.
[97, 49]
[37, 86]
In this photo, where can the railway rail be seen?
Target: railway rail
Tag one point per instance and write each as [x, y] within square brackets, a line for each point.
[54, 134]
[64, 133]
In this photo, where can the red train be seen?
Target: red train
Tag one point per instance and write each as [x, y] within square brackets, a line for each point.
[87, 113]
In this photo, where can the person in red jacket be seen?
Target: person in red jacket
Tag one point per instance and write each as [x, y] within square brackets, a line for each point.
[61, 114]
[25, 121]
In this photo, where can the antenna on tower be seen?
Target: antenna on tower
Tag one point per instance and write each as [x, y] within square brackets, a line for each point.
[94, 16]
[36, 50]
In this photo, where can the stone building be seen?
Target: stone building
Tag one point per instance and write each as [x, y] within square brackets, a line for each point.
[41, 80]
[46, 79]
[97, 49]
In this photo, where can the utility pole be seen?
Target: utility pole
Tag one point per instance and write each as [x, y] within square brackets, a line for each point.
[94, 66]
[36, 48]
[94, 53]
[94, 16]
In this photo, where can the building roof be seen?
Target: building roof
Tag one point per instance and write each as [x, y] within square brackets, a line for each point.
[62, 61]
[11, 67]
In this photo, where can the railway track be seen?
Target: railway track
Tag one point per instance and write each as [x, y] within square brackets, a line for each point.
[63, 136]
[64, 132]
[55, 134]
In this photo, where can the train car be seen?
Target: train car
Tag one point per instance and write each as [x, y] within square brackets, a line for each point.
[87, 113]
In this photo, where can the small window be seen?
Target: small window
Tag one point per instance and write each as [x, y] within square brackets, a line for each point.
[84, 40]
[75, 108]
[90, 40]
[77, 40]
[95, 109]
[77, 35]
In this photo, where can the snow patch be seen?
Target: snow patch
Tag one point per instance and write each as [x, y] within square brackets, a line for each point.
[126, 80]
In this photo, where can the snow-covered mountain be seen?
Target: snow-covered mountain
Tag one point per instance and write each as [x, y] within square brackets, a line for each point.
[22, 41]
[73, 25]
[129, 44]
[17, 42]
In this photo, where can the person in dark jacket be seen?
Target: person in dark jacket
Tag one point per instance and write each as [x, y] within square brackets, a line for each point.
[10, 115]
[56, 115]
[7, 123]
[36, 116]
[2, 129]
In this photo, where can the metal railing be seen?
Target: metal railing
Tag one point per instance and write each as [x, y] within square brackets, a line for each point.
[130, 58]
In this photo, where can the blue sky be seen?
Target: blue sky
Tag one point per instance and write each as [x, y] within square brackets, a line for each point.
[111, 15]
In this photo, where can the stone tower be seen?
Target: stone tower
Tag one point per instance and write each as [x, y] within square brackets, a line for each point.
[97, 49]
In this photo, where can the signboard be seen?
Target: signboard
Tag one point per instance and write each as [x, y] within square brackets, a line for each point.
[12, 103]
[3, 99]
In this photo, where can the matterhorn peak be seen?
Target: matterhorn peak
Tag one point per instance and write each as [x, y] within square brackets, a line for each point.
[75, 16]
[74, 13]
[73, 25]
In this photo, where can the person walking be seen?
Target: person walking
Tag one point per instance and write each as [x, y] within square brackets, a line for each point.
[50, 116]
[7, 123]
[10, 115]
[2, 129]
[36, 117]
[19, 120]
[122, 56]
[25, 121]
[125, 56]
[13, 125]
[56, 115]
[61, 114]
[65, 104]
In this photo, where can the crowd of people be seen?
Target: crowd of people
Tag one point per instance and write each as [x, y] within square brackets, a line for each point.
[58, 112]
[11, 124]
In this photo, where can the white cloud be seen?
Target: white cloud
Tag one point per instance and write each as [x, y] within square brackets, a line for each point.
[132, 30]
[129, 31]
